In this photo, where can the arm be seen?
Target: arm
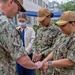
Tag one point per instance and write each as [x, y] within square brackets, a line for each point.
[62, 63]
[26, 62]
[58, 63]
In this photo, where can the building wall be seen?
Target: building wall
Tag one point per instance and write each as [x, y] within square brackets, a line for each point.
[30, 5]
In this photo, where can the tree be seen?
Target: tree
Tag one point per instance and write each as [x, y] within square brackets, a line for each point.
[67, 6]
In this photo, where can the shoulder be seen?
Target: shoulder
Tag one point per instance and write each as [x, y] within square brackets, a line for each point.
[72, 37]
[55, 30]
[71, 40]
[54, 27]
[40, 29]
[30, 28]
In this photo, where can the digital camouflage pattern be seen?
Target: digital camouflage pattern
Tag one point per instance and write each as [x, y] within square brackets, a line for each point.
[44, 41]
[10, 46]
[60, 40]
[65, 49]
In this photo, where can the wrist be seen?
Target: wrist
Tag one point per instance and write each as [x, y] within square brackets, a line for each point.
[49, 63]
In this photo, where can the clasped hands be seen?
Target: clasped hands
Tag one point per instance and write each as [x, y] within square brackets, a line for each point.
[42, 65]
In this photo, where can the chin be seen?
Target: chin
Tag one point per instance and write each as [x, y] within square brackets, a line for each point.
[10, 17]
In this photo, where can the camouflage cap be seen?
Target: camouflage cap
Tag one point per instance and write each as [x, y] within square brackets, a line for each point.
[43, 13]
[66, 17]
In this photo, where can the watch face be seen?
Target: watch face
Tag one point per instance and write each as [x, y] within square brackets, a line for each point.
[49, 62]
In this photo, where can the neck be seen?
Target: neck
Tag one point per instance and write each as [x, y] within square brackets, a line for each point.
[73, 30]
[3, 8]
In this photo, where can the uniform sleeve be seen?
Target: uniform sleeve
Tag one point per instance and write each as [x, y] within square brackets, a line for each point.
[29, 47]
[48, 51]
[35, 45]
[18, 48]
[71, 50]
[10, 42]
[55, 33]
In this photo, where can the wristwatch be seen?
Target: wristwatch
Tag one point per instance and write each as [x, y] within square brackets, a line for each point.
[49, 63]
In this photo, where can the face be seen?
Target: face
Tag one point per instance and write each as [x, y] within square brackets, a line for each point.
[21, 20]
[45, 22]
[13, 8]
[66, 29]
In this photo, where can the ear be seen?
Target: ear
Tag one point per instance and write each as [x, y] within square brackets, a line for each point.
[10, 2]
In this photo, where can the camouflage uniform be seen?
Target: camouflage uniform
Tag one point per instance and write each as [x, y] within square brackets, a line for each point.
[65, 50]
[10, 46]
[44, 40]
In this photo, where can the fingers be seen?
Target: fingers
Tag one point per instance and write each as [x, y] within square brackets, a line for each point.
[44, 67]
[39, 64]
[34, 58]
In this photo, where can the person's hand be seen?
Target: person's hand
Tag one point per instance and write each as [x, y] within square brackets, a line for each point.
[44, 67]
[34, 58]
[39, 64]
[37, 57]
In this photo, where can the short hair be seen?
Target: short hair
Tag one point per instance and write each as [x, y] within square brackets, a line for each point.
[3, 1]
[22, 15]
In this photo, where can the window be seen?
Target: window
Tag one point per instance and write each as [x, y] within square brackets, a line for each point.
[46, 6]
[43, 4]
[34, 1]
[40, 2]
[35, 22]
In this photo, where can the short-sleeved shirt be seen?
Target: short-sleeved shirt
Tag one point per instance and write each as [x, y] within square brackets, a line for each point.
[45, 39]
[65, 49]
[10, 46]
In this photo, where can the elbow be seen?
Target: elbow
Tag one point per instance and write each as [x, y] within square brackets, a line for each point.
[71, 63]
[23, 64]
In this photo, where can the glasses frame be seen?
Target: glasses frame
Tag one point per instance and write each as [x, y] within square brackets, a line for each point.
[17, 2]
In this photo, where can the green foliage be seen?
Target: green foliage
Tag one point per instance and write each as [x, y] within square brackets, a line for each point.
[54, 22]
[36, 27]
[70, 5]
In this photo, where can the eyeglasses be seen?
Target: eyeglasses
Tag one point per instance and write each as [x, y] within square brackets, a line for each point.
[17, 2]
[70, 22]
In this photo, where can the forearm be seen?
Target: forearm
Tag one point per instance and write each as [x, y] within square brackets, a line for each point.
[26, 62]
[62, 63]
